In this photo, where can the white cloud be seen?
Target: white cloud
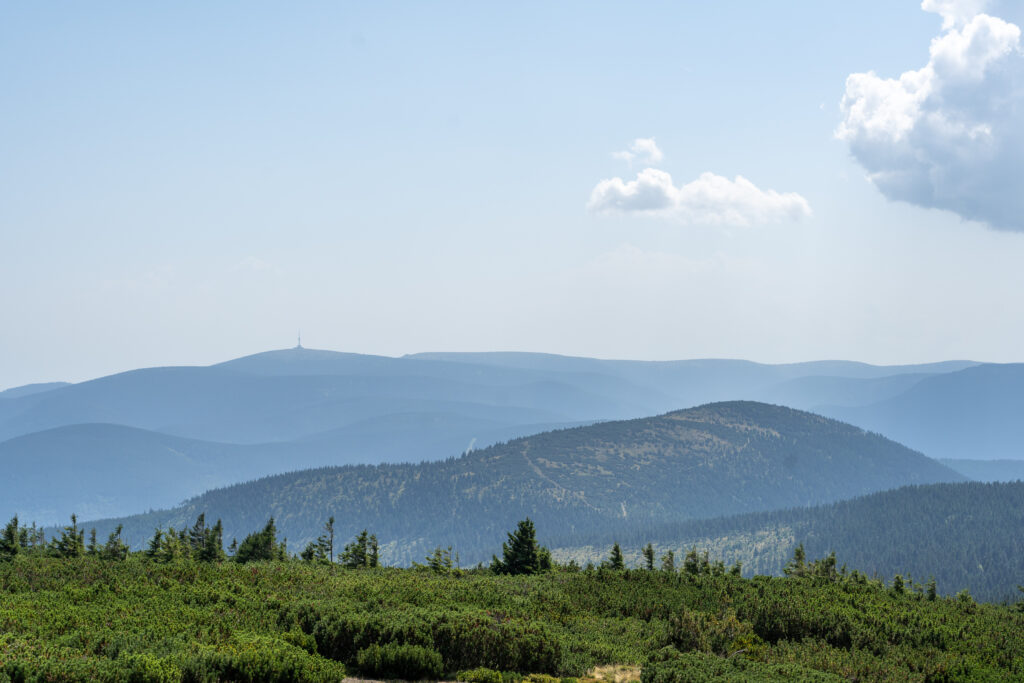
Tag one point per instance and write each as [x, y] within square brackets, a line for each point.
[643, 150]
[708, 199]
[955, 12]
[949, 135]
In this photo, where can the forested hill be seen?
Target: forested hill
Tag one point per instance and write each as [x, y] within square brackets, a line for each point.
[966, 535]
[717, 459]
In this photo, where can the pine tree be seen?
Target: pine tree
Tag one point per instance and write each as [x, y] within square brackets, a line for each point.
[153, 549]
[440, 560]
[326, 540]
[691, 563]
[93, 548]
[544, 562]
[72, 540]
[10, 543]
[649, 557]
[356, 554]
[373, 556]
[668, 562]
[931, 589]
[261, 546]
[520, 554]
[115, 549]
[212, 548]
[197, 536]
[615, 560]
[36, 538]
[798, 565]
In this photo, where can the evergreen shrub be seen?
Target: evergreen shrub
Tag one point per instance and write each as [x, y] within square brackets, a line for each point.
[408, 662]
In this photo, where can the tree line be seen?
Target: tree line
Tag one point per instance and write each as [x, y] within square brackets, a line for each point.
[521, 554]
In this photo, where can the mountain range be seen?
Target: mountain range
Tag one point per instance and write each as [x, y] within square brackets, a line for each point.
[292, 409]
[703, 462]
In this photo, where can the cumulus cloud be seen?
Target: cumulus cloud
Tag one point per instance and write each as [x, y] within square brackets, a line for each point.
[955, 12]
[708, 199]
[949, 135]
[643, 150]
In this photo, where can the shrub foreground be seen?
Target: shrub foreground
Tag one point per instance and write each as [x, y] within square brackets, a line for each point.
[89, 619]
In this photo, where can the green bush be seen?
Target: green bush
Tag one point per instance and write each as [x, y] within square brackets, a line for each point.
[542, 678]
[408, 662]
[708, 633]
[479, 675]
[250, 658]
[671, 666]
[147, 668]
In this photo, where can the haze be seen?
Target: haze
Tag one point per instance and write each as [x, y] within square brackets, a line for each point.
[190, 183]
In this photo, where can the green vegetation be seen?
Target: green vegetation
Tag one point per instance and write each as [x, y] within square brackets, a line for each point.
[89, 619]
[964, 536]
[719, 459]
[521, 554]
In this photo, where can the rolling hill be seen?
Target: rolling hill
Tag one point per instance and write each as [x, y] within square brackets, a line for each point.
[966, 535]
[703, 462]
[295, 393]
[299, 408]
[104, 470]
[972, 413]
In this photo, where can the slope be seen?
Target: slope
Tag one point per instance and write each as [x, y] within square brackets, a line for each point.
[969, 414]
[102, 470]
[966, 535]
[988, 470]
[713, 460]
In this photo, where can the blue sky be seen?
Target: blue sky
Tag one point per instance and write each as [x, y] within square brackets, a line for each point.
[187, 183]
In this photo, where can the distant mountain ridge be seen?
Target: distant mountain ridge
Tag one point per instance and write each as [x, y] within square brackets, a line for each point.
[974, 413]
[709, 461]
[298, 408]
[30, 389]
[988, 470]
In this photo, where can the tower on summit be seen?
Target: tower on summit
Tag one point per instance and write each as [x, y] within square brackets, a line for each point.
[299, 345]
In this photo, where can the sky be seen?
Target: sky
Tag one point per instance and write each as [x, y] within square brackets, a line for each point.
[190, 182]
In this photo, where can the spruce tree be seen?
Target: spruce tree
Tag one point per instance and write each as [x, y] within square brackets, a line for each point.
[649, 557]
[691, 563]
[72, 540]
[115, 549]
[440, 560]
[615, 560]
[10, 543]
[373, 555]
[326, 540]
[212, 548]
[153, 549]
[308, 554]
[356, 555]
[520, 554]
[668, 562]
[197, 536]
[798, 565]
[261, 546]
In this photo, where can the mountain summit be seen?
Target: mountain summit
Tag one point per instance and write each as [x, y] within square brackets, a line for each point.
[716, 459]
